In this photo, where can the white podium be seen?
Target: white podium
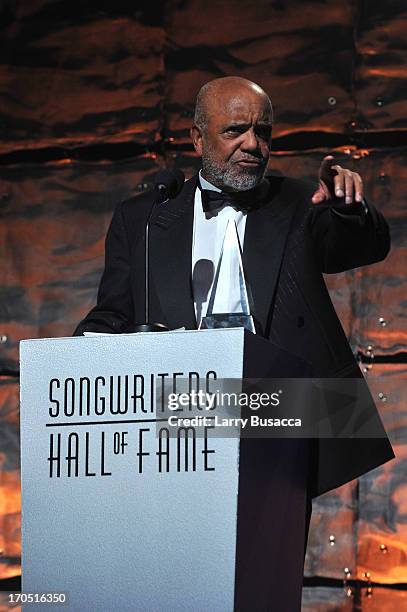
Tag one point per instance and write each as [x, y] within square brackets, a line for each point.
[109, 517]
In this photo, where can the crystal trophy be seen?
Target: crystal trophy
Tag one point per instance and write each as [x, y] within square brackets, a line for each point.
[229, 308]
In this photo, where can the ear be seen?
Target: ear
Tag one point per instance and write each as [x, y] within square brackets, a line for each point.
[196, 137]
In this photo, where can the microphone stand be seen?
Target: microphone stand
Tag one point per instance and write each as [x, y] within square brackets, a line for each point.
[150, 327]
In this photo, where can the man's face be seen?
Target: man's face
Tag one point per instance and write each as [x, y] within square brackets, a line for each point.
[235, 145]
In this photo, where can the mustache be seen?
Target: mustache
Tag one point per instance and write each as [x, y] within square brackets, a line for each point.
[259, 159]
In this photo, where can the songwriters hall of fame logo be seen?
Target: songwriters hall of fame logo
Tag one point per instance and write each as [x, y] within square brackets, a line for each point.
[95, 423]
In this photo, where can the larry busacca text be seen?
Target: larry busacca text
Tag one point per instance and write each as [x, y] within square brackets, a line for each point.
[201, 400]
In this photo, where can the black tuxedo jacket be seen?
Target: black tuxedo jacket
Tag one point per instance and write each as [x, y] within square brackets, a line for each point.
[288, 244]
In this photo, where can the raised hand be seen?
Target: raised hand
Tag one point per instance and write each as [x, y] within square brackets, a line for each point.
[337, 182]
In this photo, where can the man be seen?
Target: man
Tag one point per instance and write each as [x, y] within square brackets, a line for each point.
[291, 232]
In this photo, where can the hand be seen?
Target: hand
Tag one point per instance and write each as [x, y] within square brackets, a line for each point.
[337, 182]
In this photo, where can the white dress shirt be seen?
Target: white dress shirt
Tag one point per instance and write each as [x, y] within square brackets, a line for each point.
[208, 234]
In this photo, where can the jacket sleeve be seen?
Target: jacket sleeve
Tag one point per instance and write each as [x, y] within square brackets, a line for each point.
[347, 236]
[114, 308]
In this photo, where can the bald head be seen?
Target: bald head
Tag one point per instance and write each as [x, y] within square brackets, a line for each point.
[221, 92]
[232, 132]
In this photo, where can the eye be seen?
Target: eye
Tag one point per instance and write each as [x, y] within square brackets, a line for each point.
[264, 132]
[235, 129]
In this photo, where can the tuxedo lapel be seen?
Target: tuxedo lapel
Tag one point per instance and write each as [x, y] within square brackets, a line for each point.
[171, 233]
[265, 238]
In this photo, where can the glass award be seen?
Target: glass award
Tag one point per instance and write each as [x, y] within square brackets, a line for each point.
[228, 304]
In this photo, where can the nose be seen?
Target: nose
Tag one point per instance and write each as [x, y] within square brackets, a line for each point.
[250, 142]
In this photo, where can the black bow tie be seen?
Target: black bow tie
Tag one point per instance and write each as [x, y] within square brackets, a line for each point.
[239, 200]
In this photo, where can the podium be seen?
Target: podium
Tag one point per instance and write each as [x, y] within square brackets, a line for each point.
[115, 517]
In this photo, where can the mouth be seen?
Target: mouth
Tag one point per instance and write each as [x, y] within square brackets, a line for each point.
[249, 163]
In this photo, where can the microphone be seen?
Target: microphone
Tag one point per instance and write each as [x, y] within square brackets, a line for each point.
[167, 184]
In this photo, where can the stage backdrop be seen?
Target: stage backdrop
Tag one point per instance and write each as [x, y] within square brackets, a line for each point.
[95, 97]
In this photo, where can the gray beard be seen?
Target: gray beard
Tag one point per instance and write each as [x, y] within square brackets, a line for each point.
[232, 177]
